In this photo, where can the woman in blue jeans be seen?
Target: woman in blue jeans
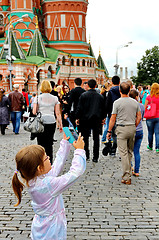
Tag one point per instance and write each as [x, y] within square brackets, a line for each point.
[139, 135]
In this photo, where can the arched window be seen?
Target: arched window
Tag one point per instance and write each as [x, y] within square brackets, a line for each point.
[54, 7]
[78, 7]
[1, 20]
[59, 6]
[49, 73]
[63, 60]
[57, 64]
[66, 6]
[90, 63]
[39, 76]
[72, 62]
[83, 62]
[78, 62]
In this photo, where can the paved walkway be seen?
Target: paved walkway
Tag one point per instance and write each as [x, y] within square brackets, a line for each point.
[98, 206]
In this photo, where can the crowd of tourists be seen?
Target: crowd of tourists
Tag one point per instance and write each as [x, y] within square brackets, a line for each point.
[86, 110]
[115, 111]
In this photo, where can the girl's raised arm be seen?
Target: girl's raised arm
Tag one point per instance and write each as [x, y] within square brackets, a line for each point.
[58, 185]
[61, 157]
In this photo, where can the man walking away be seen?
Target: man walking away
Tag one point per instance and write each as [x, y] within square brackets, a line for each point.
[16, 98]
[75, 94]
[90, 114]
[113, 94]
[127, 115]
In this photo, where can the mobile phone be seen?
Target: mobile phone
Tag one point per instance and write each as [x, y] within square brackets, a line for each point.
[70, 132]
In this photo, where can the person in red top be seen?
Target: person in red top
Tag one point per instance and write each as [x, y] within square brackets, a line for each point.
[153, 123]
[25, 95]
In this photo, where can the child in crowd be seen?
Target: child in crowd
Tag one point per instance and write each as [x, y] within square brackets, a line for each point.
[46, 187]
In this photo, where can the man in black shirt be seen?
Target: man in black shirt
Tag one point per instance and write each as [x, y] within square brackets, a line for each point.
[75, 94]
[90, 114]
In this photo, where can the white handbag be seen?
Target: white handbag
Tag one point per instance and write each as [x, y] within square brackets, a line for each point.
[26, 113]
[34, 124]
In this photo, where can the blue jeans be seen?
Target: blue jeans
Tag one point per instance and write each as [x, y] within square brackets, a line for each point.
[15, 118]
[106, 129]
[137, 144]
[153, 127]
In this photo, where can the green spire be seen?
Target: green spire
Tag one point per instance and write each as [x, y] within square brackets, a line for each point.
[91, 53]
[37, 47]
[15, 49]
[101, 64]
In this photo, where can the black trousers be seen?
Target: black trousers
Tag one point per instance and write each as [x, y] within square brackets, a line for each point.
[3, 127]
[85, 130]
[45, 139]
[73, 119]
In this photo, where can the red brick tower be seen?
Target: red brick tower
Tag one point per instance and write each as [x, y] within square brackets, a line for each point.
[65, 25]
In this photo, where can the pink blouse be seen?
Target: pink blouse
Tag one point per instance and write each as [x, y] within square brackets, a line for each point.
[154, 100]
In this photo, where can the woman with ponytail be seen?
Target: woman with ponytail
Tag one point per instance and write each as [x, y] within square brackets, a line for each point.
[46, 186]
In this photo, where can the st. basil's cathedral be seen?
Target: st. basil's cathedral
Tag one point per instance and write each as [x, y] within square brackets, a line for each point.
[46, 39]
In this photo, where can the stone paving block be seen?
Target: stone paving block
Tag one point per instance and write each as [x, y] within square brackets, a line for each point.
[98, 206]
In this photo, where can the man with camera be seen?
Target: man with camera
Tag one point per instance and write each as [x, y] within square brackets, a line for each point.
[127, 115]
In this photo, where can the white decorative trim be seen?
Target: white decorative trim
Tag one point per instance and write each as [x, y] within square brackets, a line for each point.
[69, 27]
[53, 26]
[61, 11]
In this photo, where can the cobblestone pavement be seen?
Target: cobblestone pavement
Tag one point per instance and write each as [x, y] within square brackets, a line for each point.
[98, 206]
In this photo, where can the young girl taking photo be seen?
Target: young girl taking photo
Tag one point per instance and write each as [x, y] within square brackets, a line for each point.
[45, 186]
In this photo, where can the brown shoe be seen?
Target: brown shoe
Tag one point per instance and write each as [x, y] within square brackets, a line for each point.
[135, 174]
[128, 182]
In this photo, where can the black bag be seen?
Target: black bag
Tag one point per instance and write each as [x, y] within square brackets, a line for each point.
[107, 149]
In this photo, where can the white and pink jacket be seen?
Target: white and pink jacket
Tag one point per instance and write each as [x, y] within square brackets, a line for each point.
[49, 222]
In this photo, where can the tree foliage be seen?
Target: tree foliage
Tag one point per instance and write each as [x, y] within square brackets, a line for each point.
[148, 68]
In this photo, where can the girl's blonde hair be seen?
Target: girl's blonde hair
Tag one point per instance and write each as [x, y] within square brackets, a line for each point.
[155, 90]
[45, 86]
[27, 161]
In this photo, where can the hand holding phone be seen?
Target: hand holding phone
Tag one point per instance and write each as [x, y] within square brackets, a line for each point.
[79, 144]
[71, 133]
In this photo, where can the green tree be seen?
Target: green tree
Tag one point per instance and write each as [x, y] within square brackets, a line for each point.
[148, 68]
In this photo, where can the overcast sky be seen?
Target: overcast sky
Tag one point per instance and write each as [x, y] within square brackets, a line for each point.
[113, 23]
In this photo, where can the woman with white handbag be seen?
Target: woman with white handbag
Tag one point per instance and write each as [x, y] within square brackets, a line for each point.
[47, 105]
